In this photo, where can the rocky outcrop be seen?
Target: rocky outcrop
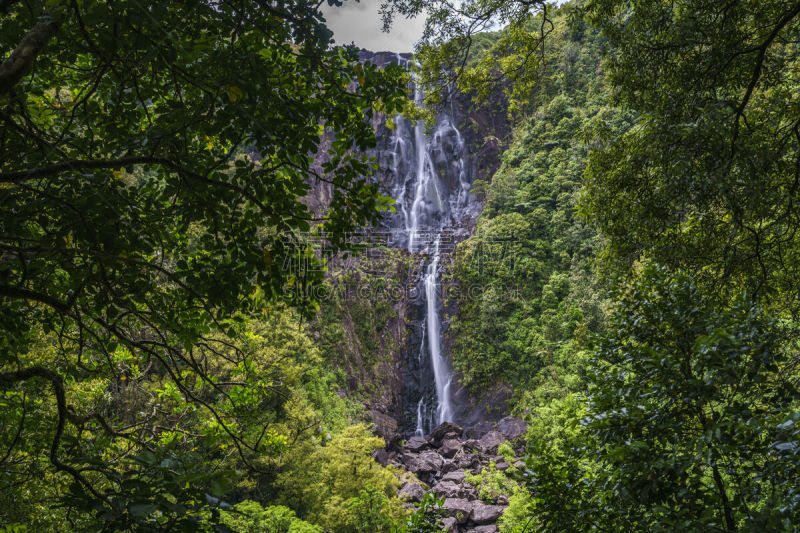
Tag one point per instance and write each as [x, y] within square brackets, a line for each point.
[441, 461]
[385, 372]
[490, 442]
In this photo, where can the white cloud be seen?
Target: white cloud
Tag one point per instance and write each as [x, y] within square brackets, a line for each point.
[360, 22]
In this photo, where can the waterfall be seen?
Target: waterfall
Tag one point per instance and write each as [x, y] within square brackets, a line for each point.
[431, 186]
[441, 371]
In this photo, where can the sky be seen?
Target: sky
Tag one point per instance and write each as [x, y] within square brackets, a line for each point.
[360, 22]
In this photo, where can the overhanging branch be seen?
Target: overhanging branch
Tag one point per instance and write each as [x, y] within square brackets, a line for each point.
[10, 378]
[21, 59]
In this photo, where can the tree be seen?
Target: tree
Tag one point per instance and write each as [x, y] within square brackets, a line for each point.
[685, 402]
[455, 54]
[250, 517]
[154, 160]
[707, 180]
[689, 421]
[340, 484]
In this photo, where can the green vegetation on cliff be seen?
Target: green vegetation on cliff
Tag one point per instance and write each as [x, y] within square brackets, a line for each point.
[165, 367]
[528, 298]
[641, 295]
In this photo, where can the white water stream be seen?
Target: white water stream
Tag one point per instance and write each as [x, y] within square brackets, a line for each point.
[432, 191]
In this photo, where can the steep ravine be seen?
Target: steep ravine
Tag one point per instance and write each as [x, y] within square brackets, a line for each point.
[400, 367]
[430, 174]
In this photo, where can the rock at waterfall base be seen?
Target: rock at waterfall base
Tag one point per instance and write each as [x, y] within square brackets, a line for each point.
[490, 528]
[416, 444]
[448, 489]
[450, 525]
[490, 442]
[457, 476]
[411, 492]
[449, 447]
[483, 513]
[458, 508]
[427, 461]
[512, 427]
[445, 430]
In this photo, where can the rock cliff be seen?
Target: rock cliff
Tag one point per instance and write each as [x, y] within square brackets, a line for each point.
[384, 365]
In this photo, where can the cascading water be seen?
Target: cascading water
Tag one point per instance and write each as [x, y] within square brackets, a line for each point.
[441, 372]
[431, 186]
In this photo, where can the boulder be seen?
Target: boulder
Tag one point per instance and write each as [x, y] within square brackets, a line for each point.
[502, 465]
[449, 447]
[473, 465]
[512, 427]
[382, 456]
[450, 525]
[445, 430]
[456, 476]
[486, 514]
[416, 444]
[448, 467]
[489, 528]
[427, 461]
[411, 492]
[465, 460]
[470, 444]
[458, 508]
[448, 489]
[478, 430]
[383, 424]
[489, 442]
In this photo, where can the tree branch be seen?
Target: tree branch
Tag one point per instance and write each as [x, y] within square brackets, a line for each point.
[86, 164]
[21, 59]
[76, 164]
[762, 52]
[10, 378]
[26, 294]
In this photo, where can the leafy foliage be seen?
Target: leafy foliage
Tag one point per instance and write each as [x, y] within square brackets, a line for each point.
[682, 416]
[685, 411]
[251, 517]
[527, 297]
[427, 518]
[326, 483]
[707, 180]
[155, 160]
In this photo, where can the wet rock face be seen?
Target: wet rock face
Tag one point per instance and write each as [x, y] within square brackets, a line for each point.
[468, 150]
[465, 145]
[441, 461]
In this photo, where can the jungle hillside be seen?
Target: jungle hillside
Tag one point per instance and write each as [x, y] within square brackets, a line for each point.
[539, 275]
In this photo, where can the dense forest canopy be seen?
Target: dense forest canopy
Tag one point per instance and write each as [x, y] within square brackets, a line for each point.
[154, 158]
[163, 368]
